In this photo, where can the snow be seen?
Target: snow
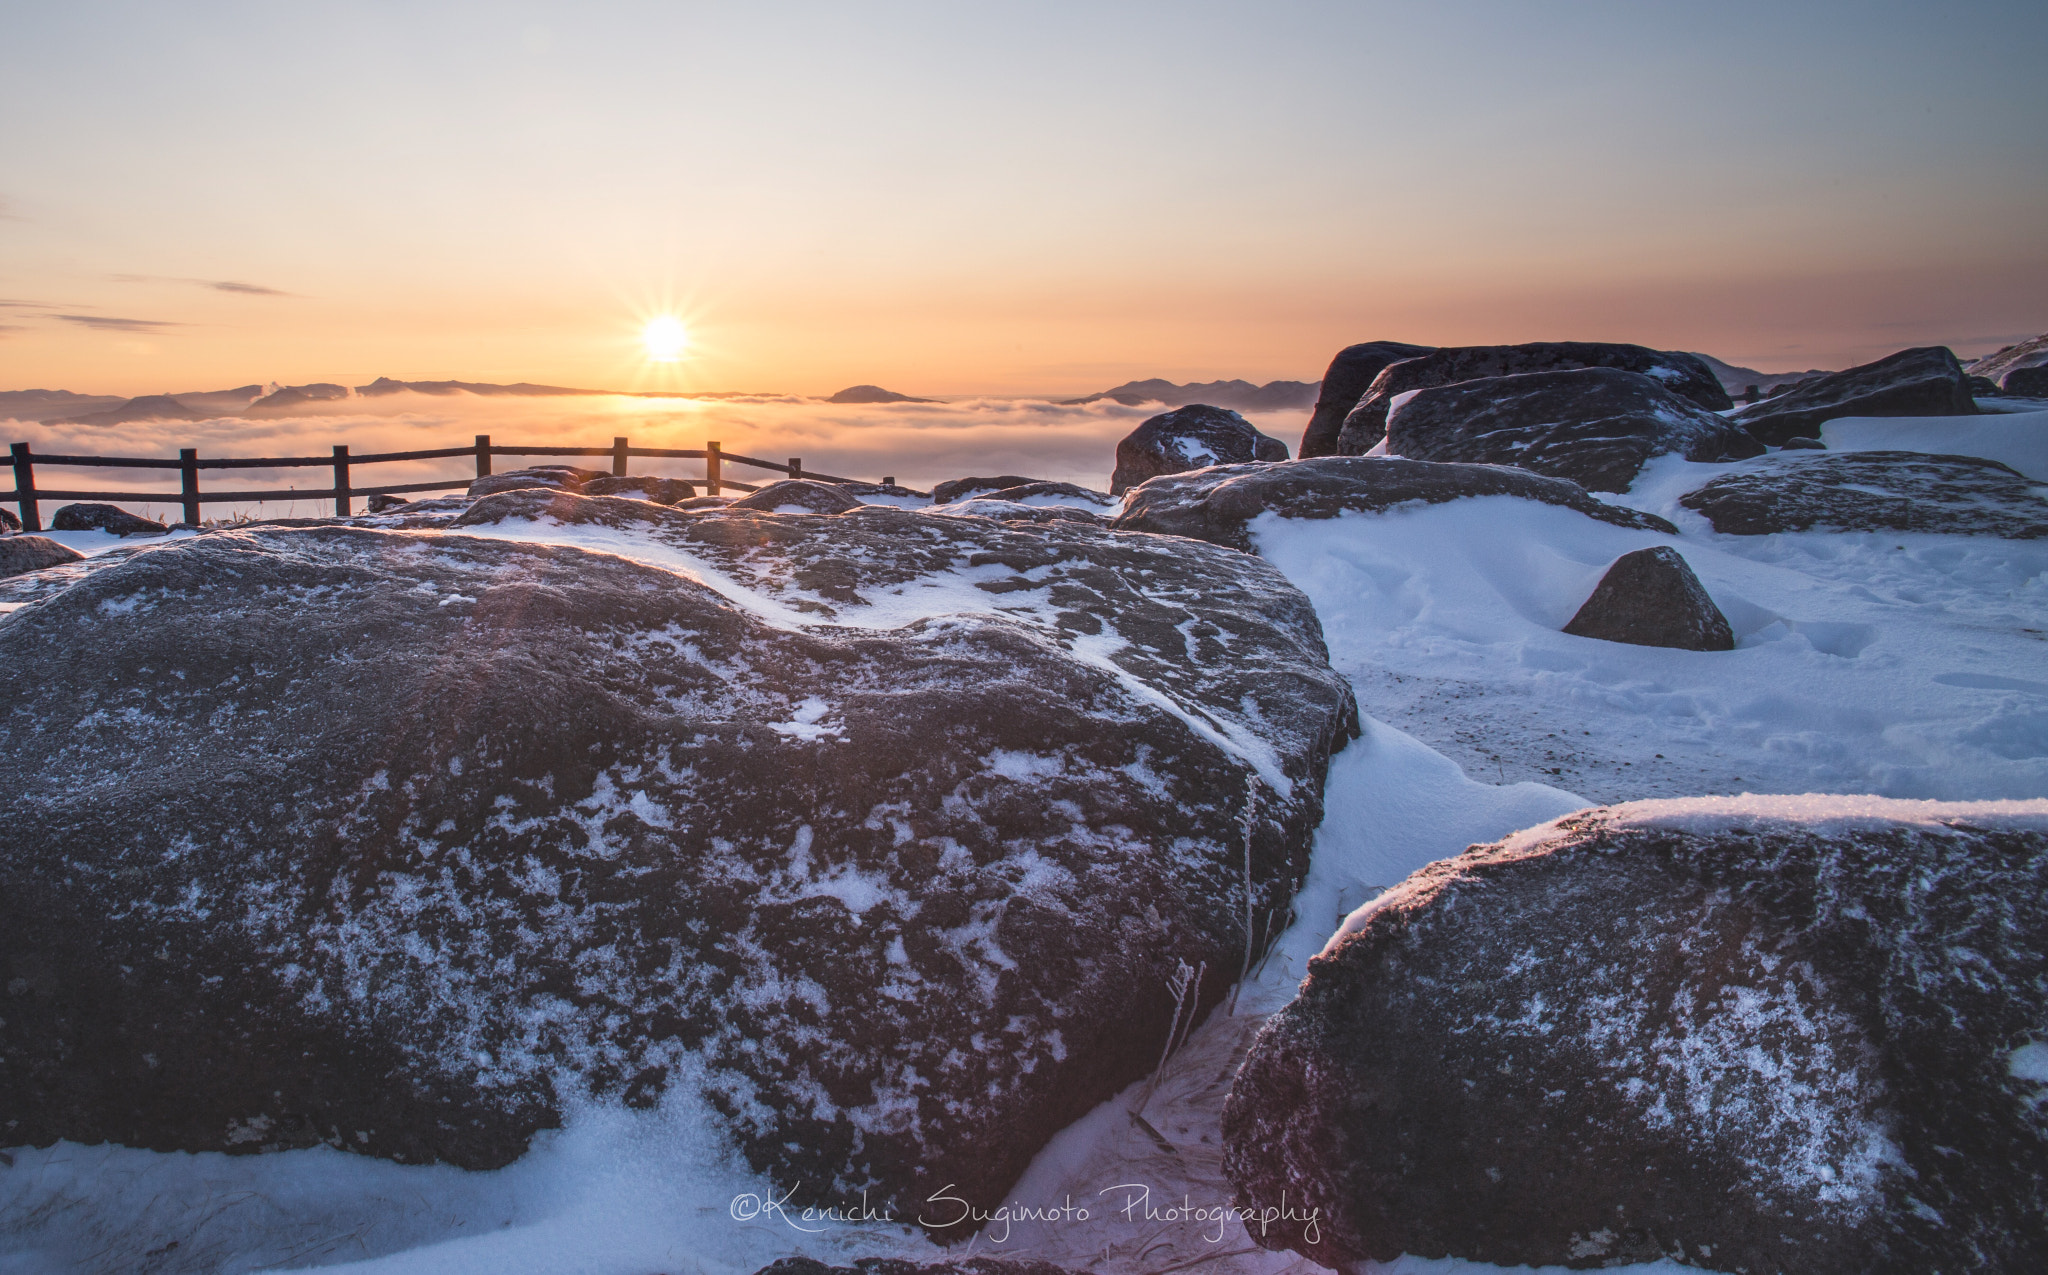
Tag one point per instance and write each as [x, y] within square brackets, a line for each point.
[1875, 674]
[2018, 439]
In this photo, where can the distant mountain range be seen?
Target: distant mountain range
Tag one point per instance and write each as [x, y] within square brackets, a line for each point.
[63, 407]
[1242, 396]
[1738, 379]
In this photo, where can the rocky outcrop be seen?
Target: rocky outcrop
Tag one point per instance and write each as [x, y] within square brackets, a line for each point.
[552, 477]
[398, 841]
[1060, 493]
[1013, 511]
[662, 491]
[108, 518]
[1350, 376]
[22, 554]
[1595, 426]
[1192, 437]
[1749, 1034]
[1652, 598]
[1682, 374]
[1216, 504]
[2032, 352]
[1919, 382]
[798, 495]
[1874, 491]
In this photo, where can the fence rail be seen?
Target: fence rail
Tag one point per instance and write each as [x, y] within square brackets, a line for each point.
[27, 497]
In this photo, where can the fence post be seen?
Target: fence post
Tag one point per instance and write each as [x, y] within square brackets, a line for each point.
[711, 464]
[188, 481]
[618, 458]
[483, 455]
[796, 467]
[341, 498]
[25, 488]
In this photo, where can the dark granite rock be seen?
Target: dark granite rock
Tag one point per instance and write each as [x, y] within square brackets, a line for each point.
[1350, 376]
[2026, 382]
[1215, 504]
[953, 489]
[1750, 1034]
[1596, 426]
[1980, 385]
[288, 860]
[1652, 598]
[1058, 491]
[1919, 382]
[384, 503]
[20, 555]
[1686, 375]
[662, 491]
[110, 518]
[1192, 437]
[1014, 511]
[798, 494]
[1874, 491]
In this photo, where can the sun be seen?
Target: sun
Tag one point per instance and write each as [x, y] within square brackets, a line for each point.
[665, 338]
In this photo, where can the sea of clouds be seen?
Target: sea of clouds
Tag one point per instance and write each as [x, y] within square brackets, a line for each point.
[918, 444]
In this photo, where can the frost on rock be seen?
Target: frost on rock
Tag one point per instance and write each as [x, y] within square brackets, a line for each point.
[887, 829]
[1745, 1033]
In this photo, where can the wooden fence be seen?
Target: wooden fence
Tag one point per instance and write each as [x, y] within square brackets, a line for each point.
[26, 496]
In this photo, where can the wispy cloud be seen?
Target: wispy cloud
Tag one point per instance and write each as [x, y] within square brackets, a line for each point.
[108, 323]
[236, 286]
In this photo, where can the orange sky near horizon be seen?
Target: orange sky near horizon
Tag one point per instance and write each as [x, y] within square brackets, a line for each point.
[953, 200]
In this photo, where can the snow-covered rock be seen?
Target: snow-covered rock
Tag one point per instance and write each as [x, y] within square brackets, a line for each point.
[1750, 1033]
[1350, 376]
[22, 554]
[903, 1266]
[1651, 598]
[798, 495]
[953, 489]
[109, 518]
[1874, 491]
[662, 491]
[1218, 504]
[884, 831]
[1596, 426]
[2032, 352]
[1685, 375]
[1191, 437]
[552, 477]
[1927, 381]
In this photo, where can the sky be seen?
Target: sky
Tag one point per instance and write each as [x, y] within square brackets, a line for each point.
[987, 199]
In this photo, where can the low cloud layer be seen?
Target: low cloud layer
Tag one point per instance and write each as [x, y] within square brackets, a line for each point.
[108, 323]
[918, 444]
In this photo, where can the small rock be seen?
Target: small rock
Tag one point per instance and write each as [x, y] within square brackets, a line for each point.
[1652, 598]
[798, 495]
[1350, 376]
[1927, 381]
[2026, 382]
[20, 555]
[110, 518]
[385, 503]
[662, 491]
[1192, 437]
[1874, 491]
[8, 522]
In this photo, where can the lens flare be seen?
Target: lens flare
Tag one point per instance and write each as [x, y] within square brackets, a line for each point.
[665, 339]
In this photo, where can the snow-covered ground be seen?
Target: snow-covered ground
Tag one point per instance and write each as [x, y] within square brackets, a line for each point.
[1895, 664]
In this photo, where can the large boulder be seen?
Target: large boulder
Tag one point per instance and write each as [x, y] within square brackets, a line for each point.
[1596, 426]
[2032, 352]
[400, 841]
[1651, 598]
[1749, 1034]
[953, 489]
[2026, 382]
[1874, 491]
[1685, 375]
[1219, 504]
[1920, 382]
[108, 518]
[662, 491]
[1191, 437]
[1350, 376]
[22, 554]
